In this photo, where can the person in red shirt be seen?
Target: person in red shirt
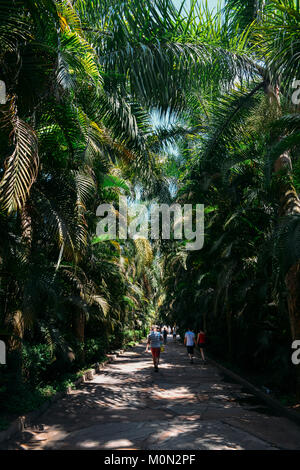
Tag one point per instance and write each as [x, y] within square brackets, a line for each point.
[155, 339]
[201, 343]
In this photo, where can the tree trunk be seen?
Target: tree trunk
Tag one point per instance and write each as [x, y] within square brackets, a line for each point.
[147, 286]
[204, 326]
[14, 343]
[78, 329]
[18, 328]
[229, 332]
[229, 324]
[26, 226]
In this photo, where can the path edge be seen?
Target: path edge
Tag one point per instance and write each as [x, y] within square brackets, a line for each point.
[272, 402]
[24, 421]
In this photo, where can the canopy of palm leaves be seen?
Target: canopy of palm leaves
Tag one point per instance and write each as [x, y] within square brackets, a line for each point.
[143, 99]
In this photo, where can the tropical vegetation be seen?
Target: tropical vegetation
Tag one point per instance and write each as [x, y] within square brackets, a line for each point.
[158, 104]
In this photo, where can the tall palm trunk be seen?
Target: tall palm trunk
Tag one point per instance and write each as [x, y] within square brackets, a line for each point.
[14, 343]
[16, 318]
[147, 286]
[26, 228]
[79, 332]
[229, 324]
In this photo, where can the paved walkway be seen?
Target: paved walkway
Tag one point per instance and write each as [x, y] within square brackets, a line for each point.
[183, 406]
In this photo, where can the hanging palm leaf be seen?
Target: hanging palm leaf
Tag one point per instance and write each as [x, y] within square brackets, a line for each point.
[21, 167]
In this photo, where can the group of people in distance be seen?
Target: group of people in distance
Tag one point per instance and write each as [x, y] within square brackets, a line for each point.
[156, 338]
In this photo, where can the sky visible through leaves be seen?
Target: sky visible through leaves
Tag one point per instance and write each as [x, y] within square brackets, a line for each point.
[171, 149]
[211, 3]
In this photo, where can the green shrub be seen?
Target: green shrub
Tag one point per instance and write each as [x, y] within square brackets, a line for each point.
[138, 334]
[95, 350]
[35, 362]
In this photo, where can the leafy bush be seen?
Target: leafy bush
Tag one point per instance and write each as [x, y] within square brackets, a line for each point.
[130, 336]
[95, 350]
[138, 334]
[35, 362]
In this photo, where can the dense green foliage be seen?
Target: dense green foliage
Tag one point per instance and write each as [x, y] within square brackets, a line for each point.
[110, 98]
[66, 298]
[244, 166]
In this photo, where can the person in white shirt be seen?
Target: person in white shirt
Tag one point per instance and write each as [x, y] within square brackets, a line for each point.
[155, 340]
[190, 343]
[174, 333]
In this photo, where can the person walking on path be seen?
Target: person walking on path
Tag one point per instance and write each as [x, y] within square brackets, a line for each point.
[190, 343]
[201, 343]
[154, 341]
[174, 333]
[165, 335]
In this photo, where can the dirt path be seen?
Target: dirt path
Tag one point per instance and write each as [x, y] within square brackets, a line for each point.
[183, 406]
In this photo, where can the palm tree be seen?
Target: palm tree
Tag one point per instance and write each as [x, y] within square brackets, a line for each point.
[61, 133]
[230, 135]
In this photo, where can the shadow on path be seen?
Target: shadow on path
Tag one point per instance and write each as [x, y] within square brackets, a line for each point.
[183, 406]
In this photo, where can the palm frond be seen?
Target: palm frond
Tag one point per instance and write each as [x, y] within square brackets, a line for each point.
[21, 167]
[286, 248]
